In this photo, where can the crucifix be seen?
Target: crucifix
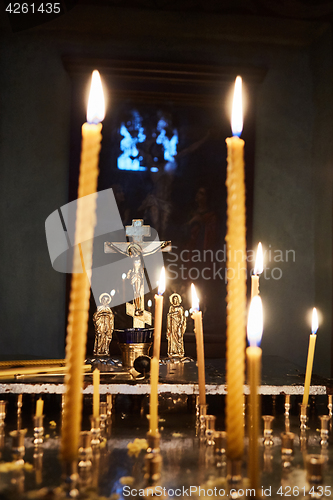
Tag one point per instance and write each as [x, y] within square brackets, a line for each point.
[137, 249]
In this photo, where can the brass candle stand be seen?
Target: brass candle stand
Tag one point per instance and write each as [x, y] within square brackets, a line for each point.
[38, 464]
[18, 452]
[268, 431]
[38, 430]
[210, 429]
[85, 460]
[153, 459]
[234, 477]
[103, 415]
[303, 417]
[220, 448]
[3, 405]
[287, 449]
[95, 431]
[314, 468]
[325, 429]
[201, 420]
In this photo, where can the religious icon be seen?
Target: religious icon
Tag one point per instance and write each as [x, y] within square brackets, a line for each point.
[103, 320]
[176, 326]
[137, 249]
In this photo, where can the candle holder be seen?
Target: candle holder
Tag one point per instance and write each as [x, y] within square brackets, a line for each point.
[210, 429]
[220, 448]
[134, 342]
[325, 429]
[103, 415]
[268, 459]
[18, 448]
[330, 405]
[3, 405]
[95, 431]
[234, 477]
[85, 459]
[287, 423]
[287, 405]
[153, 466]
[202, 420]
[19, 410]
[303, 417]
[268, 431]
[38, 464]
[38, 430]
[287, 443]
[109, 403]
[153, 442]
[70, 479]
[85, 450]
[314, 469]
[2, 439]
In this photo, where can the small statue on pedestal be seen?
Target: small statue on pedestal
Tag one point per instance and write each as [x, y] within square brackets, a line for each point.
[103, 320]
[176, 326]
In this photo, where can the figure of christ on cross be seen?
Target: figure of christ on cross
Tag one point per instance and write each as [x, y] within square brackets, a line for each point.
[137, 249]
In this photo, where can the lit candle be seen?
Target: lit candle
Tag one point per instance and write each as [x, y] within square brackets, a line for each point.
[253, 356]
[311, 350]
[236, 284]
[39, 407]
[158, 315]
[153, 401]
[96, 393]
[258, 269]
[198, 330]
[80, 286]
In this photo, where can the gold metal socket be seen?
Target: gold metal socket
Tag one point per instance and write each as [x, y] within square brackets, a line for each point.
[287, 443]
[220, 440]
[132, 351]
[153, 442]
[314, 467]
[153, 466]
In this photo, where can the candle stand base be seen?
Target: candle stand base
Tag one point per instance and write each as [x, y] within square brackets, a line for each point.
[153, 466]
[153, 442]
[234, 476]
[70, 479]
[38, 430]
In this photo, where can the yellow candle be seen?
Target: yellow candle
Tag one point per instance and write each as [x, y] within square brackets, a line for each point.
[258, 269]
[80, 286]
[198, 330]
[153, 401]
[39, 407]
[311, 350]
[158, 316]
[96, 393]
[236, 285]
[253, 356]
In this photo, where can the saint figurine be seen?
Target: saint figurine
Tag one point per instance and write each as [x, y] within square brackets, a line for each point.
[176, 326]
[103, 320]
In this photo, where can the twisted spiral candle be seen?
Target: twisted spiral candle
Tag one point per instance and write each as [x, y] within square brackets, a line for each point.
[80, 291]
[236, 297]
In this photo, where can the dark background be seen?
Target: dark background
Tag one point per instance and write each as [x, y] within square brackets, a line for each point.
[288, 130]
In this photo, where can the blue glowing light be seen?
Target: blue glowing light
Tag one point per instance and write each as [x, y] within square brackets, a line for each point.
[134, 133]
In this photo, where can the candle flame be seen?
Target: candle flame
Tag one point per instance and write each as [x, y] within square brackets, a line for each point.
[259, 265]
[314, 320]
[195, 300]
[255, 322]
[161, 283]
[96, 104]
[237, 109]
